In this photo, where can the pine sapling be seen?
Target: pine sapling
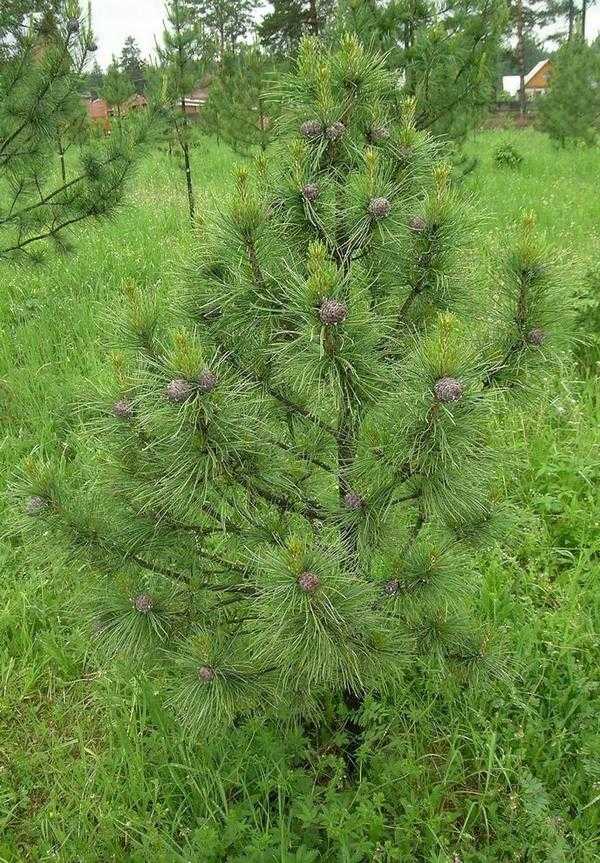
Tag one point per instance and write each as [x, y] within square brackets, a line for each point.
[298, 455]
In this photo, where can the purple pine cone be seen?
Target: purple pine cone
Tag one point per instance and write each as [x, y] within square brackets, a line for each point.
[391, 588]
[353, 500]
[73, 25]
[206, 674]
[35, 505]
[308, 582]
[179, 391]
[536, 336]
[333, 312]
[335, 131]
[310, 192]
[143, 602]
[207, 381]
[448, 390]
[379, 133]
[379, 208]
[417, 224]
[123, 409]
[311, 129]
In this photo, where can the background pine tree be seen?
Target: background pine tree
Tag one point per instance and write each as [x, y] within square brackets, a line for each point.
[291, 462]
[185, 54]
[41, 64]
[237, 111]
[570, 111]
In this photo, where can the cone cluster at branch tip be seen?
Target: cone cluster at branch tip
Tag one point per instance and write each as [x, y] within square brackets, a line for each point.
[179, 390]
[206, 674]
[448, 390]
[333, 312]
[417, 224]
[353, 500]
[379, 133]
[73, 25]
[308, 582]
[143, 603]
[536, 336]
[123, 409]
[390, 588]
[335, 131]
[35, 505]
[310, 192]
[379, 208]
[311, 129]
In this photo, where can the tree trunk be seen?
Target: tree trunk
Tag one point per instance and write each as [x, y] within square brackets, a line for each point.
[313, 17]
[571, 18]
[583, 18]
[186, 162]
[521, 57]
[63, 168]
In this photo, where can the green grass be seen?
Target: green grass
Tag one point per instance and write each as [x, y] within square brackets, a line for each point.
[91, 766]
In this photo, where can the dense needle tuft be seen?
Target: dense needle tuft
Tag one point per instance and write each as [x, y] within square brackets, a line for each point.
[378, 133]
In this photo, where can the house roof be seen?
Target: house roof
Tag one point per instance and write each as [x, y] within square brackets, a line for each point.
[97, 108]
[535, 70]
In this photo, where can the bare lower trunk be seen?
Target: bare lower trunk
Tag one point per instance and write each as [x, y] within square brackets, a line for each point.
[521, 57]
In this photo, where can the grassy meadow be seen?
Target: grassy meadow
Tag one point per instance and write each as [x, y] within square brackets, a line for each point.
[92, 768]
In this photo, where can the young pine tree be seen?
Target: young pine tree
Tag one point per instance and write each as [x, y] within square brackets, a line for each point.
[237, 111]
[293, 458]
[184, 56]
[40, 117]
[117, 88]
[570, 111]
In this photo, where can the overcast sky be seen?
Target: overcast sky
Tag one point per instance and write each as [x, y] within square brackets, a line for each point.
[114, 20]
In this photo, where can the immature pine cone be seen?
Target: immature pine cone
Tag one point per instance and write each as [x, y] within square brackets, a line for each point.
[333, 312]
[379, 133]
[35, 505]
[179, 391]
[73, 25]
[448, 390]
[335, 131]
[143, 603]
[206, 674]
[207, 381]
[311, 129]
[310, 192]
[353, 500]
[536, 336]
[390, 588]
[123, 409]
[308, 582]
[379, 208]
[417, 224]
